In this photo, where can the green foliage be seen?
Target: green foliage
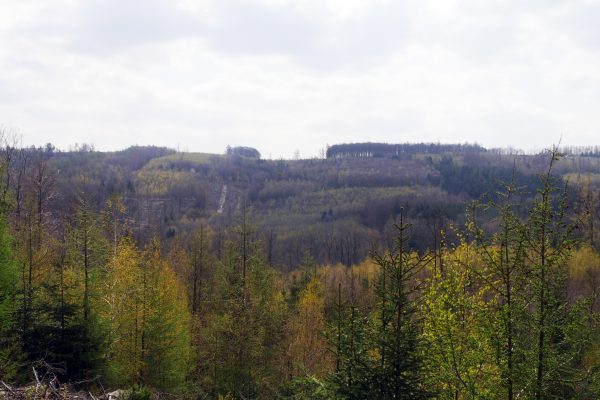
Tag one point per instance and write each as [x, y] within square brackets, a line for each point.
[172, 173]
[507, 309]
[167, 329]
[460, 351]
[379, 355]
[243, 333]
[499, 321]
[307, 387]
[9, 346]
[8, 276]
[548, 243]
[481, 179]
[138, 393]
[148, 320]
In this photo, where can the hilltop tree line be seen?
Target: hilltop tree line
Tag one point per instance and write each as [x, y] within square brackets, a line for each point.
[398, 150]
[242, 151]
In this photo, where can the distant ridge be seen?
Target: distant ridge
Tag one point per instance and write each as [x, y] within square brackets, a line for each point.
[396, 150]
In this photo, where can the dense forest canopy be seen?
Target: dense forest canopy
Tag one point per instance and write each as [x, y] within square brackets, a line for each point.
[344, 204]
[398, 150]
[383, 271]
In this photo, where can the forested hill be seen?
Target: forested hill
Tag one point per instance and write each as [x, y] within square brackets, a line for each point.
[431, 273]
[398, 150]
[327, 210]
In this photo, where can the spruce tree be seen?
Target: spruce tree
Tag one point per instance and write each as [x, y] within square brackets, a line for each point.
[379, 355]
[9, 343]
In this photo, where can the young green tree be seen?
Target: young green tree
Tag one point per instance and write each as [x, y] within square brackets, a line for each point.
[379, 355]
[60, 336]
[504, 275]
[461, 356]
[87, 252]
[122, 313]
[86, 255]
[149, 322]
[538, 331]
[355, 364]
[308, 352]
[9, 344]
[166, 346]
[200, 263]
[242, 337]
[399, 374]
[549, 241]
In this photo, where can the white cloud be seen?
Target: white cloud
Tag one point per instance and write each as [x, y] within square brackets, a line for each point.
[285, 75]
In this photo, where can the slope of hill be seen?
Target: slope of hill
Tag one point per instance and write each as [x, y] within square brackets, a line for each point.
[326, 210]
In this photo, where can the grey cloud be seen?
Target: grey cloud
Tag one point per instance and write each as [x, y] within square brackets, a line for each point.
[310, 37]
[500, 72]
[384, 30]
[380, 128]
[107, 26]
[258, 29]
[580, 22]
[497, 33]
[116, 24]
[527, 128]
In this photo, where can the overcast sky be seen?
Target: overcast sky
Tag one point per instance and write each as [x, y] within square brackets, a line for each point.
[285, 75]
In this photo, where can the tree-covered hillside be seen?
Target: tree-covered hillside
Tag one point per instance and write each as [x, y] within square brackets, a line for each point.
[451, 275]
[331, 210]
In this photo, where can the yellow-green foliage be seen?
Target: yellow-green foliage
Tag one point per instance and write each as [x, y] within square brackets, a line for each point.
[583, 261]
[157, 182]
[240, 337]
[307, 350]
[123, 313]
[577, 178]
[167, 161]
[357, 283]
[168, 326]
[584, 274]
[162, 174]
[149, 324]
[348, 197]
[456, 315]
